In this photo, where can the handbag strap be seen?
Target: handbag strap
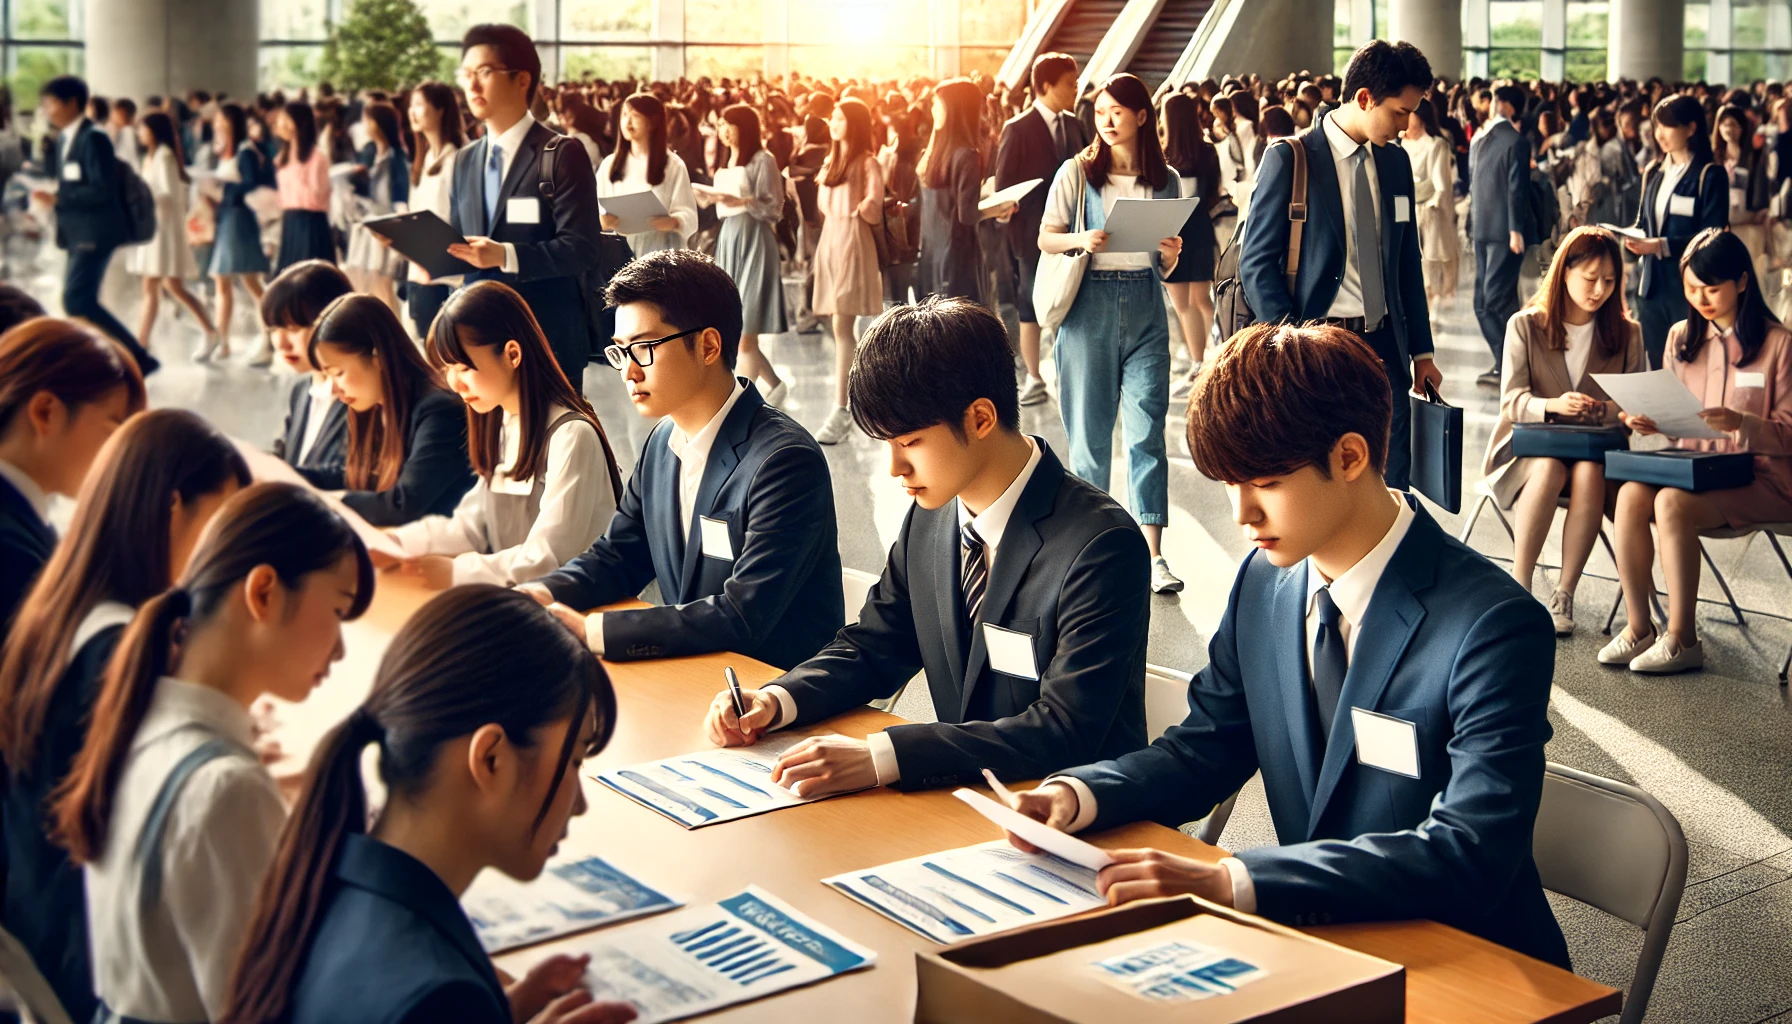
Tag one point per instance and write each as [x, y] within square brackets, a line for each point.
[1297, 209]
[1082, 195]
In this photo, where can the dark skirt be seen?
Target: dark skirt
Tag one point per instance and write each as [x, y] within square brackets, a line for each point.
[304, 235]
[1198, 244]
[237, 249]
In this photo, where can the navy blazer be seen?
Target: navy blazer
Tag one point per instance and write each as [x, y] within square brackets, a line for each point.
[1450, 643]
[1026, 150]
[1071, 572]
[331, 447]
[550, 255]
[436, 471]
[779, 600]
[1710, 189]
[25, 545]
[1263, 257]
[392, 946]
[89, 211]
[398, 173]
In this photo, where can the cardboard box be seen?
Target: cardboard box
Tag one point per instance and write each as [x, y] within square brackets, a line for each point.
[1048, 973]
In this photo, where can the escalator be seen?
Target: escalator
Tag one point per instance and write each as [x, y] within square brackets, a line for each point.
[1083, 27]
[1163, 43]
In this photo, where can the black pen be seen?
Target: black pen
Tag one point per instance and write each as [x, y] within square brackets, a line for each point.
[740, 702]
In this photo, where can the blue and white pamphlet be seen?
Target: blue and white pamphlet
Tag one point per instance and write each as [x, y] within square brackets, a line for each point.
[711, 786]
[571, 895]
[1176, 972]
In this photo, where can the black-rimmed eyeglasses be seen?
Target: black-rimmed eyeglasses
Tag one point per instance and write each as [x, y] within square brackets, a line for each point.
[641, 351]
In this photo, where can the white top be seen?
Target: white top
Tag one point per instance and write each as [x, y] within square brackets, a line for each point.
[1060, 212]
[1247, 141]
[39, 501]
[431, 191]
[1671, 173]
[320, 396]
[67, 139]
[576, 505]
[1349, 301]
[508, 143]
[674, 191]
[1580, 349]
[172, 961]
[127, 147]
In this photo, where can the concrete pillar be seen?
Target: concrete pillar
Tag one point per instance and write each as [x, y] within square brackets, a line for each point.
[1648, 39]
[776, 38]
[141, 48]
[1554, 59]
[668, 32]
[1435, 27]
[1718, 41]
[1270, 37]
[943, 36]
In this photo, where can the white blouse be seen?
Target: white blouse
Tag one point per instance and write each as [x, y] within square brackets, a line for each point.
[431, 193]
[576, 506]
[1580, 349]
[674, 191]
[172, 960]
[1060, 212]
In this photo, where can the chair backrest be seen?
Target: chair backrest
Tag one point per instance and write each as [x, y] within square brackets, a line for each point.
[856, 584]
[1614, 847]
[1166, 699]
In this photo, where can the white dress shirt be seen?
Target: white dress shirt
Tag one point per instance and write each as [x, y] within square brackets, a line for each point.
[1671, 173]
[67, 138]
[576, 506]
[33, 494]
[692, 453]
[508, 143]
[1349, 301]
[990, 524]
[319, 396]
[674, 191]
[171, 960]
[1351, 592]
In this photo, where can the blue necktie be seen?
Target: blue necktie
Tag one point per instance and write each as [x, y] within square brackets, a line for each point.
[494, 181]
[1330, 660]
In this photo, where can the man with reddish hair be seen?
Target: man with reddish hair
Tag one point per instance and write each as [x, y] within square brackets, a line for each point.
[1390, 683]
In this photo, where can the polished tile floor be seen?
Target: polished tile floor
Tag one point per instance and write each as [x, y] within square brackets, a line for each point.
[1712, 746]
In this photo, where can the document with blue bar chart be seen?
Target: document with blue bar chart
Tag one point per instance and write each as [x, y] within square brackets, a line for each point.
[572, 895]
[973, 891]
[700, 959]
[711, 786]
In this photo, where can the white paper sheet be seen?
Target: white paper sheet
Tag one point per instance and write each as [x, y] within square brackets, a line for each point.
[263, 466]
[700, 959]
[711, 786]
[1049, 839]
[1625, 232]
[571, 895]
[730, 181]
[1137, 225]
[973, 891]
[1014, 192]
[636, 210]
[1659, 395]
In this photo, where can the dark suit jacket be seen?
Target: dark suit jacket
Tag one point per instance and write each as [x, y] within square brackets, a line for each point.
[1071, 571]
[1499, 162]
[436, 471]
[1449, 643]
[1263, 257]
[331, 448]
[392, 946]
[25, 545]
[551, 254]
[90, 211]
[1659, 276]
[779, 600]
[1026, 151]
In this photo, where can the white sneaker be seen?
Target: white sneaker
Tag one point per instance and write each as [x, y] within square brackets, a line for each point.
[1033, 391]
[1186, 384]
[1561, 609]
[1668, 657]
[837, 429]
[775, 397]
[1622, 650]
[208, 344]
[264, 356]
[1163, 581]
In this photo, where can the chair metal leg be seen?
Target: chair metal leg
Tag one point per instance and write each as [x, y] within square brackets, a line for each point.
[1724, 584]
[1785, 563]
[1501, 516]
[1613, 555]
[1473, 518]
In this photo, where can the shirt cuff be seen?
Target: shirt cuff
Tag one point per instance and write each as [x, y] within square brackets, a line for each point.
[594, 633]
[1085, 801]
[786, 709]
[509, 258]
[1427, 356]
[1244, 892]
[883, 755]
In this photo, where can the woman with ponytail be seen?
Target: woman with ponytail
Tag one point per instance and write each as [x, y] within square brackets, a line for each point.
[166, 807]
[360, 922]
[120, 551]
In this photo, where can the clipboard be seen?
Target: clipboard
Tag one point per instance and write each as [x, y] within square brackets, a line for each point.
[635, 210]
[423, 238]
[1137, 225]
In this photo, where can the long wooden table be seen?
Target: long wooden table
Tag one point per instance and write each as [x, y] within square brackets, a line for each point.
[1451, 976]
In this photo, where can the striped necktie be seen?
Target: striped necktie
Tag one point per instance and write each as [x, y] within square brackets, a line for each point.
[973, 575]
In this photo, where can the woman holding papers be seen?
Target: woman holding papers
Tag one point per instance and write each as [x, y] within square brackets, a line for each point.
[951, 173]
[747, 243]
[1683, 194]
[303, 172]
[1575, 327]
[1113, 349]
[166, 261]
[384, 185]
[1197, 167]
[407, 434]
[1737, 360]
[122, 549]
[847, 282]
[237, 256]
[435, 120]
[359, 921]
[166, 807]
[642, 163]
[548, 482]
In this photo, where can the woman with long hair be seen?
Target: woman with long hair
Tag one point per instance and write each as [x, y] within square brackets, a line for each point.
[407, 436]
[644, 162]
[303, 174]
[951, 174]
[237, 255]
[315, 433]
[1113, 349]
[1737, 360]
[435, 121]
[1573, 328]
[1751, 186]
[383, 183]
[360, 919]
[1683, 194]
[166, 807]
[123, 547]
[166, 261]
[847, 282]
[1433, 162]
[747, 243]
[1196, 165]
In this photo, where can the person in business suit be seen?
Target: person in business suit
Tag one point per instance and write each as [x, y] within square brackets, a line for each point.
[90, 213]
[1034, 144]
[730, 506]
[1021, 589]
[1684, 193]
[1354, 179]
[538, 244]
[315, 434]
[1391, 684]
[1499, 160]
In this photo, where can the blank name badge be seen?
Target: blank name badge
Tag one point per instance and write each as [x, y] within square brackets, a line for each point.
[1385, 742]
[716, 543]
[523, 210]
[1010, 652]
[1680, 206]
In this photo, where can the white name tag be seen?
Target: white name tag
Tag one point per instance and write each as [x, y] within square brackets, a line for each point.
[1751, 379]
[715, 539]
[1680, 206]
[1402, 209]
[523, 210]
[71, 171]
[1386, 743]
[1010, 653]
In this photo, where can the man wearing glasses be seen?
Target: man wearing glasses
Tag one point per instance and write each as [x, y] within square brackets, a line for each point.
[516, 232]
[730, 507]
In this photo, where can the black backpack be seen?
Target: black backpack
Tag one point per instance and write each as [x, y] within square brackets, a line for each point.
[1543, 210]
[139, 206]
[613, 253]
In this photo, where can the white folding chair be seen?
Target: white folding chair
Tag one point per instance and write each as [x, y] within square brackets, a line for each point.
[1166, 704]
[1614, 847]
[856, 585]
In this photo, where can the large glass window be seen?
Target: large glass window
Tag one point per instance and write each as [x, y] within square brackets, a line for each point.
[1698, 19]
[606, 62]
[596, 20]
[1588, 28]
[1515, 37]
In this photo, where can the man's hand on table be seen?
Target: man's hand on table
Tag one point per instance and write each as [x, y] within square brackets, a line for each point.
[821, 765]
[726, 729]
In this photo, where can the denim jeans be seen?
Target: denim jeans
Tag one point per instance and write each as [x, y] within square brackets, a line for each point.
[1113, 358]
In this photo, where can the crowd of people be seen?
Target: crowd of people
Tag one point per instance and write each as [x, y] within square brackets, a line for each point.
[152, 871]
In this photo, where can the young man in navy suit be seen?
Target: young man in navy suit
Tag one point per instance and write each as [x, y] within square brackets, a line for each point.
[1390, 683]
[1359, 257]
[730, 507]
[1022, 590]
[536, 243]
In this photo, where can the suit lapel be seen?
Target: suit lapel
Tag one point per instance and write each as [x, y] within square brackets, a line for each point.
[522, 169]
[1020, 544]
[1323, 186]
[723, 457]
[1288, 612]
[943, 559]
[1555, 361]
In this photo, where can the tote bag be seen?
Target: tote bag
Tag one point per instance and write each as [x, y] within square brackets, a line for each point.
[1060, 275]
